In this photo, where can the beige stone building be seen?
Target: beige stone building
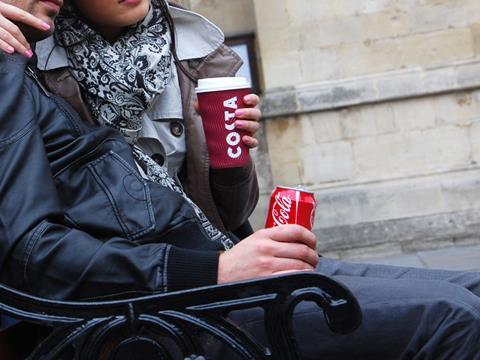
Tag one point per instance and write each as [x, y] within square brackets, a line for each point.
[375, 106]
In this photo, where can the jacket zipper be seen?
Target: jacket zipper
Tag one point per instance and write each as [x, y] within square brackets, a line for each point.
[34, 76]
[83, 157]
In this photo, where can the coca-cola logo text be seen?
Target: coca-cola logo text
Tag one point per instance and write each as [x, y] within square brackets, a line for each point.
[281, 210]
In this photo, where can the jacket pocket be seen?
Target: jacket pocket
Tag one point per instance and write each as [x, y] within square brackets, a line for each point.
[108, 198]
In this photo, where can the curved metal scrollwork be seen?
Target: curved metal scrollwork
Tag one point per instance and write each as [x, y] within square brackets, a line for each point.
[168, 326]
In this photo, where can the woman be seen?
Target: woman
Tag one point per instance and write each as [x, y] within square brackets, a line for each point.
[118, 64]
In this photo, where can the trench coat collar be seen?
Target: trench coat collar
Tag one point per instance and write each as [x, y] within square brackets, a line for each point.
[196, 38]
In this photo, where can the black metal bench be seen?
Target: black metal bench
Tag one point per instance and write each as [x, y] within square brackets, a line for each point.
[171, 325]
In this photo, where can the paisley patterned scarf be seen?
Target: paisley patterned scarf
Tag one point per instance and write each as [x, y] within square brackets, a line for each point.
[121, 80]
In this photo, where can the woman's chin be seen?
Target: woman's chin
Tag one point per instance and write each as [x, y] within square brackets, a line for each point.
[113, 14]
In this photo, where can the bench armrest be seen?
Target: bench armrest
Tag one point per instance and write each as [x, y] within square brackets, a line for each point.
[167, 325]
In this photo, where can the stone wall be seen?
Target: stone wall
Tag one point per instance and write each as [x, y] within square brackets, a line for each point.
[234, 17]
[379, 115]
[390, 177]
[319, 40]
[374, 105]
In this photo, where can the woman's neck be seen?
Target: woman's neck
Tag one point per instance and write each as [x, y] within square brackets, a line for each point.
[111, 34]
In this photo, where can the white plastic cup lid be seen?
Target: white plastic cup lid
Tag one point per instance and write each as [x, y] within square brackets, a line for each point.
[221, 83]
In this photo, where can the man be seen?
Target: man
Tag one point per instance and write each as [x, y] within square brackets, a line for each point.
[105, 206]
[78, 221]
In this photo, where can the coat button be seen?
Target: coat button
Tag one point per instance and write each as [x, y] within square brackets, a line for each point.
[158, 158]
[176, 128]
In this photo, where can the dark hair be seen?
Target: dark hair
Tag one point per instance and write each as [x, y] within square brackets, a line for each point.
[173, 45]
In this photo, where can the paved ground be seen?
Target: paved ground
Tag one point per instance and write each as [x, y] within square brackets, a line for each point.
[455, 258]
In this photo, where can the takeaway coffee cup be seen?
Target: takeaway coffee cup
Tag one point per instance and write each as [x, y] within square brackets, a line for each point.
[218, 99]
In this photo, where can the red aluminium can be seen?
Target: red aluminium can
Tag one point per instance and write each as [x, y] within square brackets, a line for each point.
[291, 206]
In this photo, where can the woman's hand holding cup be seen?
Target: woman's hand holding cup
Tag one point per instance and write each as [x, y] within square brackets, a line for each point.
[248, 119]
[230, 120]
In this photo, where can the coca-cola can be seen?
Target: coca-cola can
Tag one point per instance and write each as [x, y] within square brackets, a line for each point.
[291, 206]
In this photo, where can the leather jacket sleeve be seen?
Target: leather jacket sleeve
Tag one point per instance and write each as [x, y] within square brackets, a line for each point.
[42, 254]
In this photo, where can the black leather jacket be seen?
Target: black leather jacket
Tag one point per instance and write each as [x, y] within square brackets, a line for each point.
[76, 218]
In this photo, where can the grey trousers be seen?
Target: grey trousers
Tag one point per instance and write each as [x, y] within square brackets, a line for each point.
[408, 313]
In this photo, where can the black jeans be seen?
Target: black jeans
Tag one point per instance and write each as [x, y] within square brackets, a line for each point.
[408, 313]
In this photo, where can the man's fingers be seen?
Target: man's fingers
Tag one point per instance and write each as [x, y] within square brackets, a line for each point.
[284, 265]
[291, 233]
[296, 251]
[291, 271]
